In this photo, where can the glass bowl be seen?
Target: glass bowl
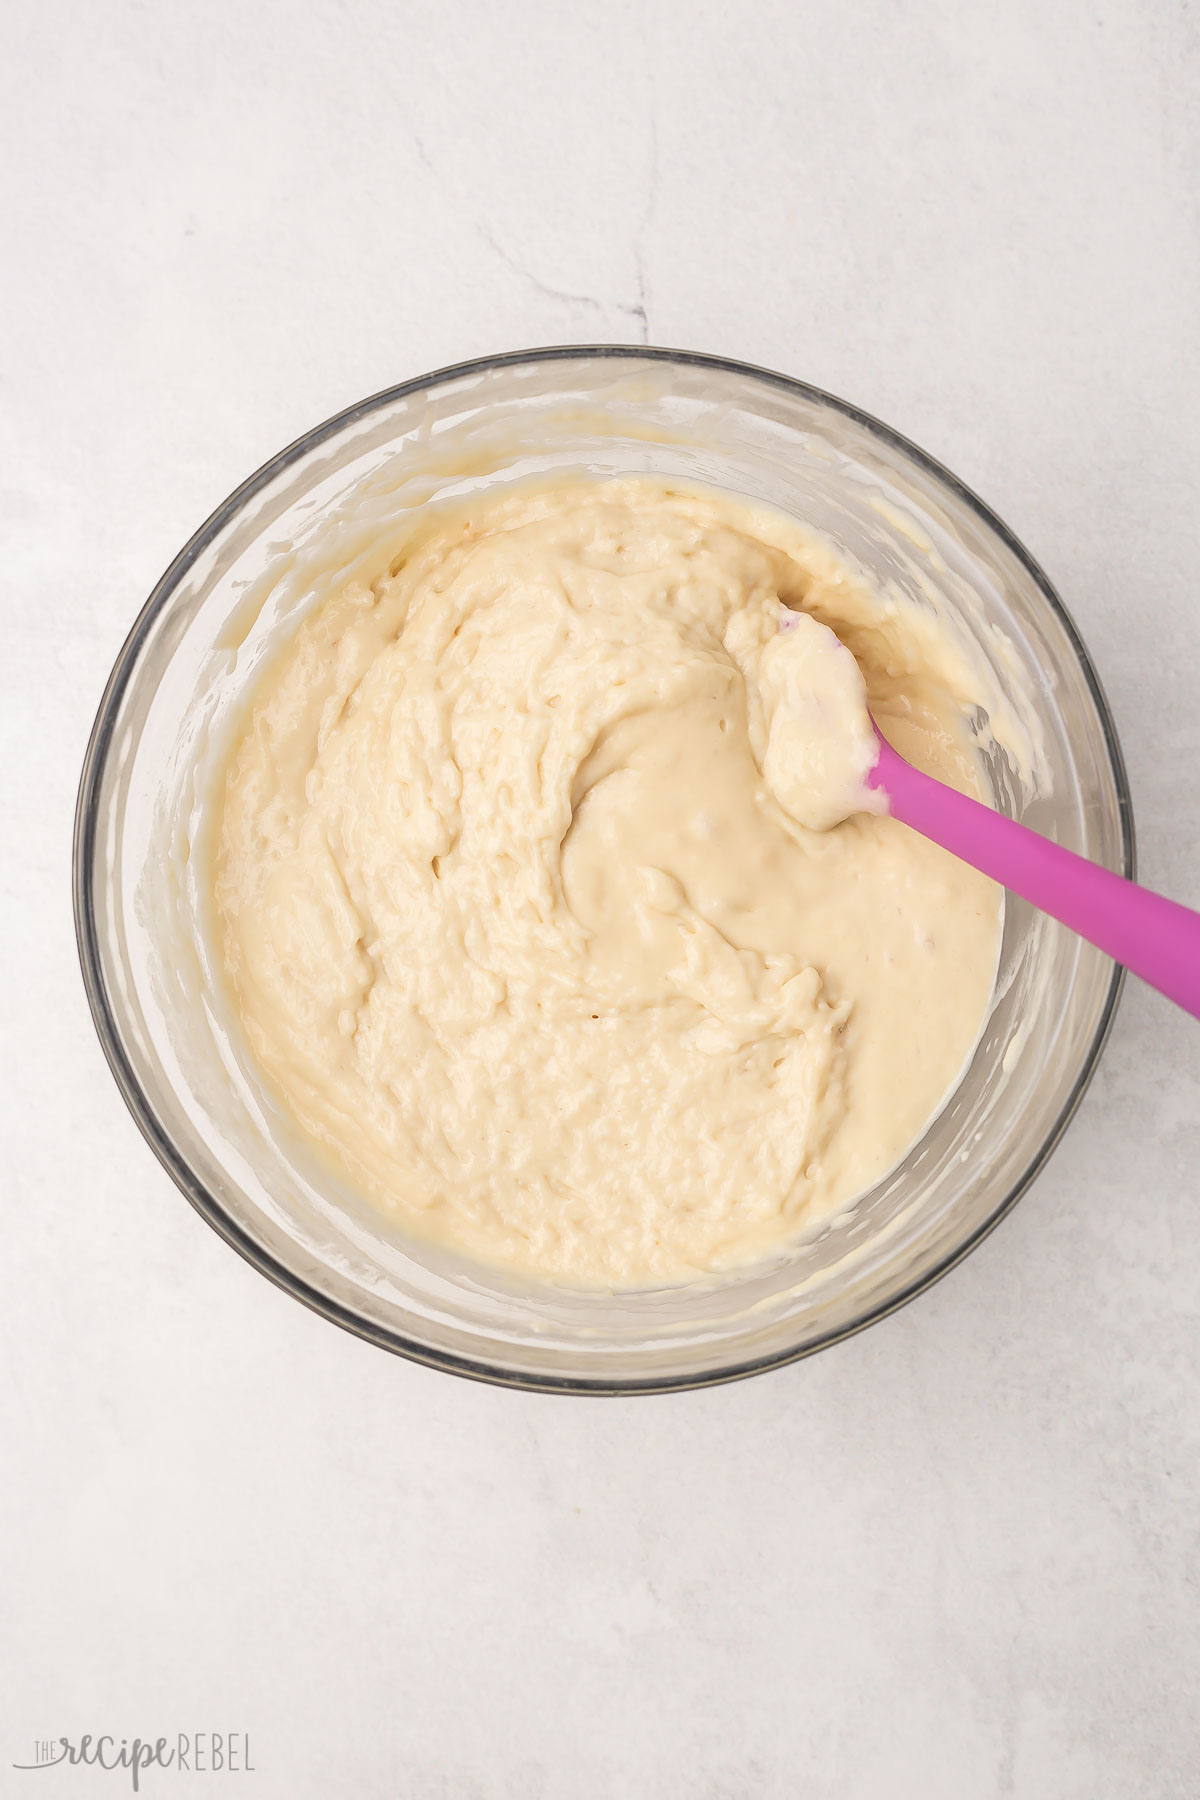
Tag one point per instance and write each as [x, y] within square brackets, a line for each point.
[173, 701]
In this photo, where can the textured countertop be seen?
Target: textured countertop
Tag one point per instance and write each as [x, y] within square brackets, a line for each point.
[955, 1558]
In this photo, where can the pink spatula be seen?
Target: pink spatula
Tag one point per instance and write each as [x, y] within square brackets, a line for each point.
[1156, 938]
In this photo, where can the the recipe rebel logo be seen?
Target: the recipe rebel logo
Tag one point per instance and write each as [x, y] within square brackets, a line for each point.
[192, 1753]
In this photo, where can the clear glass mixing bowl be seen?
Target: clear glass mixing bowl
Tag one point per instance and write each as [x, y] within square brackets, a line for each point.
[173, 699]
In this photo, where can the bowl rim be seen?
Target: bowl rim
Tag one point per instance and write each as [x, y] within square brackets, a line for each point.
[84, 858]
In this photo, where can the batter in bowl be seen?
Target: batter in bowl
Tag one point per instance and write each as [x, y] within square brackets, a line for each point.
[533, 898]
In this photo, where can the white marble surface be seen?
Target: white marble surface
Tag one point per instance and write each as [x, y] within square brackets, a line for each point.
[953, 1559]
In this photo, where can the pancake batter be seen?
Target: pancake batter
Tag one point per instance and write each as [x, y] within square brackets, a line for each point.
[534, 899]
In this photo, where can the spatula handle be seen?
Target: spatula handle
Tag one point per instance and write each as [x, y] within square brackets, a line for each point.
[1154, 937]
